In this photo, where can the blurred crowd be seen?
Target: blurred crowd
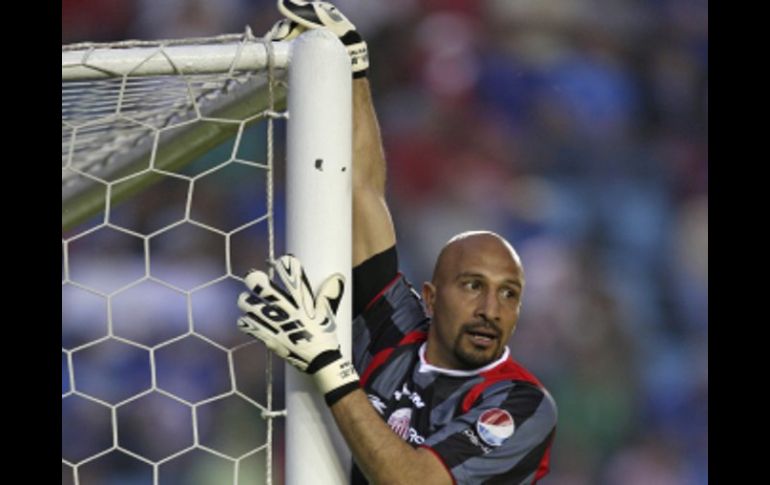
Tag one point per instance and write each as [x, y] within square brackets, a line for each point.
[578, 130]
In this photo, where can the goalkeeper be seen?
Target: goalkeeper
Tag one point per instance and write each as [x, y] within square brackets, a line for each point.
[432, 395]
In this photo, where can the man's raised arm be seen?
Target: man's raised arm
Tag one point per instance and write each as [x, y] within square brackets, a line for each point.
[373, 230]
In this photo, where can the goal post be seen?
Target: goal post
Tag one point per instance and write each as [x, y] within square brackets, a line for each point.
[160, 106]
[319, 225]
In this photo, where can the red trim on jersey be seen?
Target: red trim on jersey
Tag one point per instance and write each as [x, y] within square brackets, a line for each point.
[382, 355]
[508, 370]
[382, 291]
[441, 460]
[413, 337]
[543, 466]
[376, 362]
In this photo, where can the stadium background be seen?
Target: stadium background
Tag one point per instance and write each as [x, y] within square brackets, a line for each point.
[577, 129]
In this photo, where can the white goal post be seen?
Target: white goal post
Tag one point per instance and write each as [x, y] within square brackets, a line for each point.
[318, 175]
[319, 225]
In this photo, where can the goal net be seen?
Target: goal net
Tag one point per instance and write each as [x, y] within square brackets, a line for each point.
[168, 160]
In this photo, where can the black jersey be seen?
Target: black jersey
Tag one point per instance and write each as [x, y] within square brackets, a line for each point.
[489, 425]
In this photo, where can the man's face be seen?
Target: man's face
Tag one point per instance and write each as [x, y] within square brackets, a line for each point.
[474, 299]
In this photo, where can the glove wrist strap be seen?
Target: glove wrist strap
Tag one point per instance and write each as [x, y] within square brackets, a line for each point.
[337, 394]
[336, 379]
[359, 59]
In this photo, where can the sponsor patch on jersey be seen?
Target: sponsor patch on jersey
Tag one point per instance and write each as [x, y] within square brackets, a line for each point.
[495, 426]
[399, 422]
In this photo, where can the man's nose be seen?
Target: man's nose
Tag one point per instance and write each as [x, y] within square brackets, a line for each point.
[489, 306]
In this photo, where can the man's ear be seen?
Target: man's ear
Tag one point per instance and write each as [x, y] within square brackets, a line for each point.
[429, 296]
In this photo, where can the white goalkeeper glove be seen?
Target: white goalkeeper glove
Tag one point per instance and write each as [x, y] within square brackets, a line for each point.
[299, 326]
[284, 29]
[312, 15]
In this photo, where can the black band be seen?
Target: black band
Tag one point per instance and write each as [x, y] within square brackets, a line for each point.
[335, 395]
[371, 276]
[351, 37]
[323, 359]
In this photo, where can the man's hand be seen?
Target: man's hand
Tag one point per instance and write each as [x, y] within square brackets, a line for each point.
[314, 15]
[298, 325]
[283, 30]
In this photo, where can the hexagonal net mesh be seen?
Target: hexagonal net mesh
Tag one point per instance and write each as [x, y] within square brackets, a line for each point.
[167, 200]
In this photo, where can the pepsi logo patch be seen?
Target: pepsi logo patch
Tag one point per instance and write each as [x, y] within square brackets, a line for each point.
[495, 426]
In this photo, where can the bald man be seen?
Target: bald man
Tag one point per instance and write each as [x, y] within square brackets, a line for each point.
[438, 373]
[434, 397]
[476, 295]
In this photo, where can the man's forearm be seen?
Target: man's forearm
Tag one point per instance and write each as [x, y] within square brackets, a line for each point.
[379, 452]
[373, 230]
[368, 156]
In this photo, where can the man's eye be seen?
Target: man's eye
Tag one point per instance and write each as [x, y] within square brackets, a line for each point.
[472, 285]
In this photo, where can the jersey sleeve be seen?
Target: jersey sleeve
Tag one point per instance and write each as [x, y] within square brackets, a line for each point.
[371, 276]
[504, 439]
[386, 308]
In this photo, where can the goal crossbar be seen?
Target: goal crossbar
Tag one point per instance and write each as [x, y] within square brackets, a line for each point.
[138, 58]
[250, 84]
